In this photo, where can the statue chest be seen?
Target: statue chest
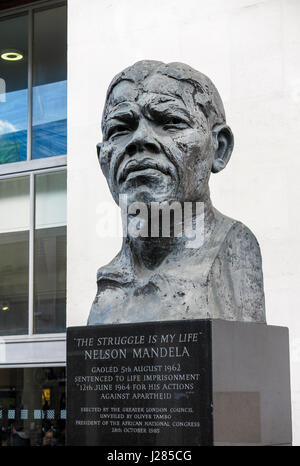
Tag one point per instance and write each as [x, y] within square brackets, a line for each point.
[160, 297]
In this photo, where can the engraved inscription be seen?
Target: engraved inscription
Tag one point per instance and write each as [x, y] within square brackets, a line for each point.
[149, 380]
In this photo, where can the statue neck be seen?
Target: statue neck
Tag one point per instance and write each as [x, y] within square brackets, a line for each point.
[149, 252]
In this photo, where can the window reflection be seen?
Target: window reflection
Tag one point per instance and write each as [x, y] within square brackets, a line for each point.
[49, 92]
[50, 85]
[14, 255]
[13, 90]
[50, 122]
[32, 406]
[50, 253]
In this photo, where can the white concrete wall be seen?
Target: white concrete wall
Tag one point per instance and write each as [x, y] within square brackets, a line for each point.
[251, 50]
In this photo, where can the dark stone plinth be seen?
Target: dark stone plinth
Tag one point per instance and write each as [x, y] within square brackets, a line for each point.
[192, 382]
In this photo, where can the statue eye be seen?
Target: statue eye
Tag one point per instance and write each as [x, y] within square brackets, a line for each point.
[175, 123]
[117, 130]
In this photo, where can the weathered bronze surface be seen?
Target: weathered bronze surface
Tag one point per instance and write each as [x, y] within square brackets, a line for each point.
[164, 132]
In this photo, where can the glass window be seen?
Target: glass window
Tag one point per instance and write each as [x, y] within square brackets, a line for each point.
[50, 83]
[13, 89]
[32, 406]
[33, 125]
[44, 277]
[33, 84]
[50, 253]
[14, 255]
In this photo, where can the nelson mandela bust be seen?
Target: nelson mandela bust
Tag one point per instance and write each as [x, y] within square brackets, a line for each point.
[164, 133]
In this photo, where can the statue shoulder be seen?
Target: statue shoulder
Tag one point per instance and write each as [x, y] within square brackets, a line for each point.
[241, 239]
[236, 278]
[237, 235]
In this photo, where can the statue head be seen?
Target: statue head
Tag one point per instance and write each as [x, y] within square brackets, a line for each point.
[164, 132]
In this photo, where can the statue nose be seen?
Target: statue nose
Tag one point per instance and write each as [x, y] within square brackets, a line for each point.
[143, 140]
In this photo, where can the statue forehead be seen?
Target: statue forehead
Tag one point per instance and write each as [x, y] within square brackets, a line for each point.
[155, 88]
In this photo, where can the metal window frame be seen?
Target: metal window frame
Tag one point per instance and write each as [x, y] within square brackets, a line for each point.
[32, 6]
[32, 165]
[29, 85]
[24, 365]
[48, 350]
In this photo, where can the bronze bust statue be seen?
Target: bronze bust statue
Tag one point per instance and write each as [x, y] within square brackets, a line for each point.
[164, 132]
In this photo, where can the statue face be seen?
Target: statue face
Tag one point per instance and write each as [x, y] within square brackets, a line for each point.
[157, 143]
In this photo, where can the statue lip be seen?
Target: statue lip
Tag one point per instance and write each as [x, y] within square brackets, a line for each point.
[145, 164]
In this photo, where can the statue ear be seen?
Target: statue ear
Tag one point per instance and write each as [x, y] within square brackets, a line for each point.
[98, 146]
[223, 145]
